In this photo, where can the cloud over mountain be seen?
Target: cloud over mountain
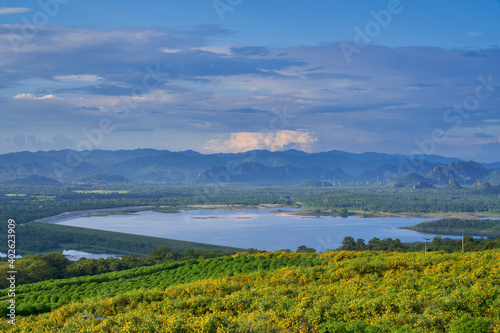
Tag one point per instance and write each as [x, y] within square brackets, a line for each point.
[272, 141]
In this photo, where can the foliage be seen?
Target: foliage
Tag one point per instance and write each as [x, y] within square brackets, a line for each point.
[51, 294]
[36, 268]
[344, 291]
[470, 325]
[453, 226]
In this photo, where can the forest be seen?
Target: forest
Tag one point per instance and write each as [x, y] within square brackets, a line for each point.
[25, 203]
[452, 226]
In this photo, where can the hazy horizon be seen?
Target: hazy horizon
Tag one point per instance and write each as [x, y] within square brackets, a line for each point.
[248, 151]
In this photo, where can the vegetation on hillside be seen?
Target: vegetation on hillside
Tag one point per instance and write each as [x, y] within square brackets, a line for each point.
[50, 294]
[37, 237]
[344, 291]
[55, 265]
[475, 227]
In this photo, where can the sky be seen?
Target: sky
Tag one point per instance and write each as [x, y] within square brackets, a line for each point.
[394, 76]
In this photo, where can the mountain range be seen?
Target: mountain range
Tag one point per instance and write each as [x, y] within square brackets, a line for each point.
[258, 166]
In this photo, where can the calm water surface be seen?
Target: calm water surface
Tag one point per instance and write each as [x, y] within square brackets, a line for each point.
[255, 228]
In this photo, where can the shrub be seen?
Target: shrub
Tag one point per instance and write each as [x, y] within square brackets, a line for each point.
[470, 325]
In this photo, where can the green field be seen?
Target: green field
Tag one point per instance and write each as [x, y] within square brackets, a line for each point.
[277, 292]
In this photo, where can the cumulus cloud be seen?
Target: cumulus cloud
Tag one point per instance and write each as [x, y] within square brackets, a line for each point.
[30, 96]
[14, 10]
[273, 141]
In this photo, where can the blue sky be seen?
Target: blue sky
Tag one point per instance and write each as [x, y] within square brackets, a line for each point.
[233, 75]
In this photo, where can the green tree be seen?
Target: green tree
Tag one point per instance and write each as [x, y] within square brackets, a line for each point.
[360, 244]
[348, 244]
[470, 325]
[304, 248]
[57, 261]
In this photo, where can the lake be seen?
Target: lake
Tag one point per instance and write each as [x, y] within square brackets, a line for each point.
[255, 228]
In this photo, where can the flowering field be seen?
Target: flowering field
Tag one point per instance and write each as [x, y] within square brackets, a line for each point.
[344, 291]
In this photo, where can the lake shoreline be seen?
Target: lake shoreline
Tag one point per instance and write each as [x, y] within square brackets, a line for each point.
[366, 214]
[262, 229]
[453, 232]
[302, 212]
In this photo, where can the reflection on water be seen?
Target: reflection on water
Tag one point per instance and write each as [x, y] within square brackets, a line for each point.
[75, 255]
[255, 228]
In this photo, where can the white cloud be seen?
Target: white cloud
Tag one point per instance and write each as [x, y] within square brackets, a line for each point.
[474, 33]
[222, 50]
[273, 141]
[166, 50]
[79, 78]
[14, 10]
[225, 50]
[30, 96]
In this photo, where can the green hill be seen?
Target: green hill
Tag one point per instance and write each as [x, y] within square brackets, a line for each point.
[46, 237]
[281, 292]
[475, 227]
[33, 180]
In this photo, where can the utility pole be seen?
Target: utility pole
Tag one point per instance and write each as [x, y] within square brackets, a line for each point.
[463, 248]
[425, 244]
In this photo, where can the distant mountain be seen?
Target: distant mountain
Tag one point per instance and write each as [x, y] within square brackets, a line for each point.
[409, 179]
[452, 174]
[393, 168]
[33, 180]
[103, 179]
[489, 190]
[493, 177]
[480, 185]
[422, 185]
[453, 185]
[462, 172]
[257, 166]
[495, 165]
[259, 173]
